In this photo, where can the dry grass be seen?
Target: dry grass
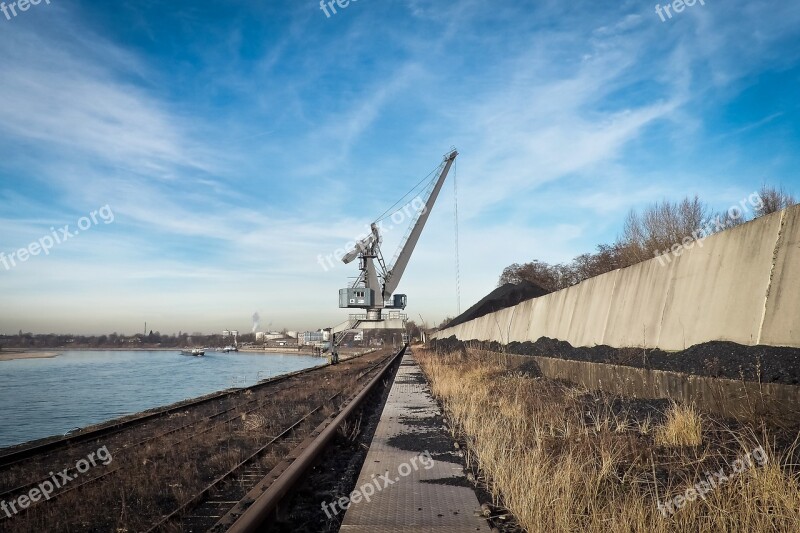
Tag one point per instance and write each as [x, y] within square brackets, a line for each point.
[562, 460]
[683, 427]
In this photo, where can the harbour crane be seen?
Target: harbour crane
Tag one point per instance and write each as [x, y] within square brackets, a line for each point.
[373, 289]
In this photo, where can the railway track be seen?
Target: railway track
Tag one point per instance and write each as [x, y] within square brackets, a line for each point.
[191, 427]
[210, 504]
[216, 507]
[204, 508]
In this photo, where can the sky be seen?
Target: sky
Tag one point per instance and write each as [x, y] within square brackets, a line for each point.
[207, 156]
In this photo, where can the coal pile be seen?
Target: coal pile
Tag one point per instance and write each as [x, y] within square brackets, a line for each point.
[718, 359]
[504, 296]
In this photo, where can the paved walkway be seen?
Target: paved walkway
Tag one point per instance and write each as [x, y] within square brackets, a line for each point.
[412, 476]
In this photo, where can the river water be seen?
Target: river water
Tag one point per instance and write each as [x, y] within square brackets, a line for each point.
[44, 397]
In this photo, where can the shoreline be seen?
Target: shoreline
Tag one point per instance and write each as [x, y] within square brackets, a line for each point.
[13, 356]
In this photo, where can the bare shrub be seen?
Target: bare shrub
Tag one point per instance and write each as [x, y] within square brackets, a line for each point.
[773, 199]
[660, 226]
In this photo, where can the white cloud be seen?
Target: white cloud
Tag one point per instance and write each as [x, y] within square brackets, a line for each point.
[221, 211]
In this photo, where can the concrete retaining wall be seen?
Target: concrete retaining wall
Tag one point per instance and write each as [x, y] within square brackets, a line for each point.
[740, 285]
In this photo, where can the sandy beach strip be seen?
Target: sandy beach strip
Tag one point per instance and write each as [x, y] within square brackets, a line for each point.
[13, 355]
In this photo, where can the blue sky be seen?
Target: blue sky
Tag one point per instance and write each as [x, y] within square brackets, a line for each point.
[237, 141]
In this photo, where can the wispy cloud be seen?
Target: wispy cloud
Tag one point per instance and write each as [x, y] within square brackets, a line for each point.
[235, 155]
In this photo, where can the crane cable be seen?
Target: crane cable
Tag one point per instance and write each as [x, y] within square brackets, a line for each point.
[389, 212]
[455, 210]
[386, 214]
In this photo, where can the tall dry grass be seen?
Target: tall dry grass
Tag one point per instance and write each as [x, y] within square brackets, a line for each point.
[563, 461]
[683, 427]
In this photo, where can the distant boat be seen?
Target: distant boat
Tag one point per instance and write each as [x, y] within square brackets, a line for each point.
[197, 352]
[230, 348]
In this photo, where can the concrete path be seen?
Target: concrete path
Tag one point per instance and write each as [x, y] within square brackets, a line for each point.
[412, 479]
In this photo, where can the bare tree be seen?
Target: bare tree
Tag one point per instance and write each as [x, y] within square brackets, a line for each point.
[544, 275]
[655, 230]
[659, 227]
[632, 241]
[725, 220]
[773, 199]
[413, 330]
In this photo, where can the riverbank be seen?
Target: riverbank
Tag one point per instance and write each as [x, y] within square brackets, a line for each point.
[48, 397]
[13, 355]
[161, 462]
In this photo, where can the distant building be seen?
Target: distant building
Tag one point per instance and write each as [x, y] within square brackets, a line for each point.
[281, 343]
[291, 334]
[259, 336]
[310, 337]
[226, 334]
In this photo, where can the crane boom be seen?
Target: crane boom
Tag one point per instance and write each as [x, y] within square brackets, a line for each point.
[392, 278]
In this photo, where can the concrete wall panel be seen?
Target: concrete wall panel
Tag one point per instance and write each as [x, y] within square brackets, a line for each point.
[500, 325]
[781, 326]
[718, 290]
[520, 324]
[591, 311]
[730, 398]
[740, 285]
[637, 305]
[555, 314]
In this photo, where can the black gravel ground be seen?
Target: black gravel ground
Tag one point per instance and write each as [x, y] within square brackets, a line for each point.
[765, 364]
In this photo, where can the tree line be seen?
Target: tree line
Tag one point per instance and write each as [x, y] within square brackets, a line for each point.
[656, 230]
[115, 340]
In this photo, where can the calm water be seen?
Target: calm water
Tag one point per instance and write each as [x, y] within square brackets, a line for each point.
[44, 397]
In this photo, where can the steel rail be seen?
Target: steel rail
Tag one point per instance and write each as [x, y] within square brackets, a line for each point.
[184, 511]
[197, 498]
[266, 496]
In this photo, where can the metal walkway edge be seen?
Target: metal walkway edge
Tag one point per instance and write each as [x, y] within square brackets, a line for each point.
[412, 478]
